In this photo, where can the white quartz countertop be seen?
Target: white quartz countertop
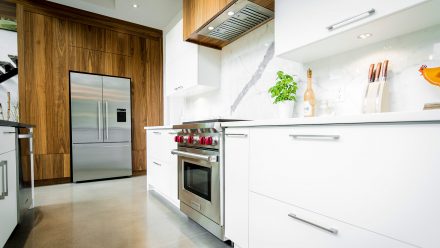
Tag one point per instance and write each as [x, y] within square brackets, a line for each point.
[420, 116]
[158, 127]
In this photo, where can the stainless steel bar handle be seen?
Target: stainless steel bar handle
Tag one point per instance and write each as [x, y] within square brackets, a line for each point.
[236, 135]
[156, 163]
[157, 132]
[2, 193]
[25, 136]
[9, 132]
[5, 186]
[328, 229]
[315, 136]
[352, 19]
[178, 88]
[106, 119]
[99, 119]
[209, 158]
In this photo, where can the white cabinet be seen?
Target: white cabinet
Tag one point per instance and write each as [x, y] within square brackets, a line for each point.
[161, 164]
[309, 30]
[236, 185]
[189, 68]
[383, 178]
[8, 183]
[279, 225]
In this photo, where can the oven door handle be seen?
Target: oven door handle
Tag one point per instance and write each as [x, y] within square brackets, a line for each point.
[209, 158]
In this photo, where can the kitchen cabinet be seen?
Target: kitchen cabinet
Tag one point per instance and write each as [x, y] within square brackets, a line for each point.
[236, 185]
[276, 224]
[334, 26]
[8, 183]
[387, 172]
[190, 69]
[198, 14]
[161, 164]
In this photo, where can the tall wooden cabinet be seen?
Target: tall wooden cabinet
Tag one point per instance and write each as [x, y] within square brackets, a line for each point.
[54, 40]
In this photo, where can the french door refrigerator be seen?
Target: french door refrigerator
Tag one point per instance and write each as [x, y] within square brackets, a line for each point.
[100, 126]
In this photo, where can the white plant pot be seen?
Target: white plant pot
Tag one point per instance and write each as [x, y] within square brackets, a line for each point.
[285, 109]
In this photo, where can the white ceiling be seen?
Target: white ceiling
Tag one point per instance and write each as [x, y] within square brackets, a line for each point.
[151, 13]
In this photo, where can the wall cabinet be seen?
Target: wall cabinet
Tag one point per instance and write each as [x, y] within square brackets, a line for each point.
[236, 185]
[161, 164]
[189, 68]
[8, 183]
[334, 26]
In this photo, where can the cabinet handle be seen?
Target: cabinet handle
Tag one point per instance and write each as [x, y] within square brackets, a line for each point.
[25, 136]
[328, 229]
[156, 132]
[99, 119]
[4, 169]
[236, 135]
[315, 136]
[178, 88]
[351, 19]
[172, 133]
[156, 163]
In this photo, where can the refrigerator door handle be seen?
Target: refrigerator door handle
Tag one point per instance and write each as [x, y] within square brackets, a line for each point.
[99, 119]
[106, 119]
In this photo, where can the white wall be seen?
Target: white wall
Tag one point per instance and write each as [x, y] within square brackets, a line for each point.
[340, 79]
[8, 45]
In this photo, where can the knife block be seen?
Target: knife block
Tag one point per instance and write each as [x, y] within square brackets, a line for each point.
[376, 97]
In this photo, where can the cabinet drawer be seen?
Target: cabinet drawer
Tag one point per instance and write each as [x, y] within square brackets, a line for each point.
[271, 226]
[7, 139]
[160, 143]
[383, 178]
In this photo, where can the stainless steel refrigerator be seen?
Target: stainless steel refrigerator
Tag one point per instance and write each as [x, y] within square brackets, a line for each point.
[101, 126]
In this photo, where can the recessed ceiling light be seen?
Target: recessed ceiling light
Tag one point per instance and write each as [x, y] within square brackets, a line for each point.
[135, 5]
[210, 28]
[231, 13]
[364, 36]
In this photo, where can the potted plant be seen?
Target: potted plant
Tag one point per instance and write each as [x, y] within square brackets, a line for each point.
[284, 94]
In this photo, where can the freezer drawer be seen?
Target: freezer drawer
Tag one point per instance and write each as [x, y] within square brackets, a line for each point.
[102, 160]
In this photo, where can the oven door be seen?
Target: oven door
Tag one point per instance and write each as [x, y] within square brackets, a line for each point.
[199, 181]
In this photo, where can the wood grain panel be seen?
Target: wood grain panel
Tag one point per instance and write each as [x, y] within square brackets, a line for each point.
[85, 60]
[117, 65]
[50, 166]
[87, 36]
[154, 96]
[139, 160]
[118, 43]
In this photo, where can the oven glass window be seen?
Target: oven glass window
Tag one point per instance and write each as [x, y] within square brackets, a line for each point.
[197, 179]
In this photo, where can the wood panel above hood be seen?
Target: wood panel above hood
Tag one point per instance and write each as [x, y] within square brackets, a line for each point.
[198, 13]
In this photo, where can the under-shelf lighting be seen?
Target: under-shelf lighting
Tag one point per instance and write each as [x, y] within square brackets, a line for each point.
[364, 36]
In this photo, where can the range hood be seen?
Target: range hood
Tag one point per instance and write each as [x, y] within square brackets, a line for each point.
[238, 19]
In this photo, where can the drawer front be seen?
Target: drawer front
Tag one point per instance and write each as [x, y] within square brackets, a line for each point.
[388, 173]
[8, 203]
[160, 143]
[276, 224]
[7, 139]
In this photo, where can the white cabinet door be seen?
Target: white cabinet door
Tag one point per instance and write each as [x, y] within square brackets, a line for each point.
[8, 194]
[237, 185]
[379, 177]
[7, 139]
[301, 23]
[271, 226]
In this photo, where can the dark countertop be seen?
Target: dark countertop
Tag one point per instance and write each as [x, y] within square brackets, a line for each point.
[15, 124]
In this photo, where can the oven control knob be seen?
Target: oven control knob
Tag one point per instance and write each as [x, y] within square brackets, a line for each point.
[191, 139]
[176, 138]
[208, 141]
[181, 139]
[203, 141]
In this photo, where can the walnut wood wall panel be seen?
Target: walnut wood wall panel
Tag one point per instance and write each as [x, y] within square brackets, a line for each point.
[51, 45]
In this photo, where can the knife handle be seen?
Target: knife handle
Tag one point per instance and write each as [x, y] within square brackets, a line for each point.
[385, 70]
[371, 73]
[378, 68]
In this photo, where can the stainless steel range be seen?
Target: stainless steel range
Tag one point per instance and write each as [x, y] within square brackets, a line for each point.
[201, 173]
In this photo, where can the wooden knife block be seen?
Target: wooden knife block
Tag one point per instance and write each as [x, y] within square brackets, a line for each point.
[376, 97]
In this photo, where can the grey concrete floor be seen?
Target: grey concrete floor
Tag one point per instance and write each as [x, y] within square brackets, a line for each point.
[113, 213]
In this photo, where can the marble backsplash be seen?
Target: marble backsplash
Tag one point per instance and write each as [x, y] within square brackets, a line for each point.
[8, 45]
[249, 69]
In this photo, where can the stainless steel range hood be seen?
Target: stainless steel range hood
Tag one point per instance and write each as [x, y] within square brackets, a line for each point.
[236, 20]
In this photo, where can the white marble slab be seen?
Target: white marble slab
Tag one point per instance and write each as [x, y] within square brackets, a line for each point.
[420, 116]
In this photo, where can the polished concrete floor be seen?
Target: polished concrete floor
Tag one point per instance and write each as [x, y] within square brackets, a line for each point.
[113, 213]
